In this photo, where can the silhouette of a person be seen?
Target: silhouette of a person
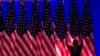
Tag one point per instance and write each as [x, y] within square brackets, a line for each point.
[75, 50]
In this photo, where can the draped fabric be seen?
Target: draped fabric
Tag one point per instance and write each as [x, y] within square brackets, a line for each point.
[87, 32]
[48, 45]
[22, 44]
[60, 32]
[1, 27]
[46, 38]
[35, 31]
[9, 32]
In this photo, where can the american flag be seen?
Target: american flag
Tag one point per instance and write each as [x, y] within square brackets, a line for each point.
[87, 32]
[74, 25]
[22, 44]
[1, 27]
[60, 30]
[35, 30]
[8, 39]
[48, 47]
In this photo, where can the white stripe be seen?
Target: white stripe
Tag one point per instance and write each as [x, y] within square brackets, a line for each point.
[13, 36]
[34, 41]
[15, 53]
[39, 43]
[6, 46]
[57, 50]
[90, 43]
[28, 41]
[9, 40]
[42, 52]
[23, 44]
[4, 53]
[52, 37]
[85, 45]
[48, 41]
[19, 49]
[46, 48]
[6, 36]
[83, 52]
[33, 49]
[32, 38]
[70, 38]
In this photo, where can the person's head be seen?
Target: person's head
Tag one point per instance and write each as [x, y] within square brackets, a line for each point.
[75, 43]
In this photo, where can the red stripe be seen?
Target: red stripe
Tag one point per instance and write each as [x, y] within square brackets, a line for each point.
[17, 49]
[33, 43]
[27, 46]
[13, 35]
[88, 46]
[6, 51]
[69, 38]
[8, 41]
[44, 50]
[0, 42]
[38, 38]
[44, 46]
[58, 43]
[26, 43]
[85, 51]
[64, 46]
[49, 45]
[91, 40]
[21, 45]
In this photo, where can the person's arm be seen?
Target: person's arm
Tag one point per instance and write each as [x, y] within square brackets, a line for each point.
[68, 46]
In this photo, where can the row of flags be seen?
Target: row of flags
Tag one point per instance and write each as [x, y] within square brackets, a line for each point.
[47, 38]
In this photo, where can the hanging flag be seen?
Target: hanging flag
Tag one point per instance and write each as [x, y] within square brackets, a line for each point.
[60, 30]
[22, 44]
[1, 27]
[35, 30]
[9, 35]
[87, 32]
[74, 26]
[48, 47]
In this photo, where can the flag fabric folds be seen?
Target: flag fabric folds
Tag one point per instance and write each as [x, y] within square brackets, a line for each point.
[1, 27]
[8, 40]
[48, 47]
[47, 38]
[35, 31]
[74, 25]
[60, 30]
[87, 32]
[22, 44]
